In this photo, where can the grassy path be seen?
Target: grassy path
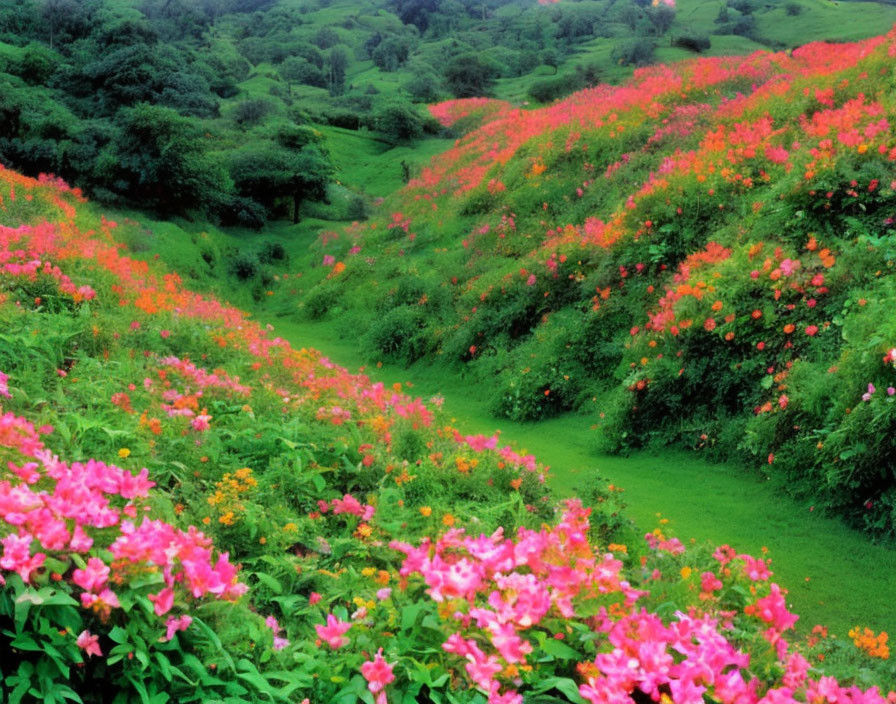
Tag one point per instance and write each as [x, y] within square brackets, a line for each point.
[834, 574]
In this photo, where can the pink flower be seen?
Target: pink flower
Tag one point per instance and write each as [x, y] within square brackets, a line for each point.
[163, 601]
[314, 598]
[333, 632]
[93, 578]
[811, 330]
[709, 583]
[89, 643]
[174, 624]
[505, 638]
[378, 673]
[164, 334]
[4, 385]
[201, 422]
[17, 556]
[773, 610]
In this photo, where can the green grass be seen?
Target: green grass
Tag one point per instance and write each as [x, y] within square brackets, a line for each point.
[834, 574]
[824, 19]
[849, 579]
[365, 161]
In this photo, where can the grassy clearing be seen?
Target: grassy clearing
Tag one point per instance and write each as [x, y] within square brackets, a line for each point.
[826, 20]
[365, 161]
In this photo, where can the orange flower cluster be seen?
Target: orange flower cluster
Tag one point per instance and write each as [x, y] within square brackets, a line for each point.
[226, 499]
[874, 645]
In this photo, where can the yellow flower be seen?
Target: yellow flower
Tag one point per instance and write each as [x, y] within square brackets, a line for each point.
[368, 571]
[686, 572]
[425, 511]
[124, 453]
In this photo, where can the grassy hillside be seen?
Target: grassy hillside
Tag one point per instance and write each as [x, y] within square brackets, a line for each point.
[703, 253]
[193, 510]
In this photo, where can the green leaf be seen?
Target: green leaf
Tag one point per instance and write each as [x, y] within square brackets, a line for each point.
[560, 650]
[270, 582]
[564, 685]
[409, 615]
[164, 665]
[118, 635]
[319, 482]
[249, 673]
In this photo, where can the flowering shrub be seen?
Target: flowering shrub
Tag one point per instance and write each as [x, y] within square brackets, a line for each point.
[698, 247]
[276, 528]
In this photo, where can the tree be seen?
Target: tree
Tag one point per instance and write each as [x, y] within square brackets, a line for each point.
[635, 52]
[61, 17]
[272, 174]
[337, 63]
[661, 17]
[311, 179]
[398, 122]
[416, 12]
[252, 111]
[423, 84]
[157, 158]
[299, 70]
[390, 53]
[37, 64]
[469, 76]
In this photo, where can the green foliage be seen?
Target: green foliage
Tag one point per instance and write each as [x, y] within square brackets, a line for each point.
[635, 52]
[693, 42]
[157, 157]
[398, 335]
[469, 75]
[398, 122]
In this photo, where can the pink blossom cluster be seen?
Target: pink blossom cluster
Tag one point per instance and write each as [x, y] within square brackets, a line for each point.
[203, 379]
[49, 506]
[19, 258]
[348, 504]
[483, 443]
[450, 111]
[508, 587]
[279, 641]
[500, 595]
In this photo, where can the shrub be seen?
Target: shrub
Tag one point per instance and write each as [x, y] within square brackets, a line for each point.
[635, 52]
[272, 252]
[399, 334]
[693, 42]
[244, 265]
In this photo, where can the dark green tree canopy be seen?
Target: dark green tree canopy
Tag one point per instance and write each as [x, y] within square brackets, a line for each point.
[469, 76]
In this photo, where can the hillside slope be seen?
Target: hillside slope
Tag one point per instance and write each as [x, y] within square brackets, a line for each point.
[384, 553]
[707, 250]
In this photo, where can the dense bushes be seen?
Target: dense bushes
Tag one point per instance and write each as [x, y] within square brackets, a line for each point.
[706, 263]
[378, 544]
